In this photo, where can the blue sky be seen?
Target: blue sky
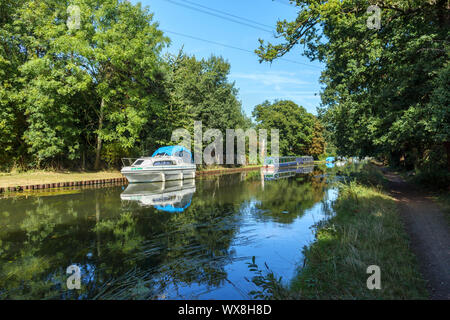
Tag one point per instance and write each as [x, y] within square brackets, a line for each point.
[256, 82]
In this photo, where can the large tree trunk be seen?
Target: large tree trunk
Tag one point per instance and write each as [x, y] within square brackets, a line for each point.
[99, 139]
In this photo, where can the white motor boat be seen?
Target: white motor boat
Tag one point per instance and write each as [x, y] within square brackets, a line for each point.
[166, 163]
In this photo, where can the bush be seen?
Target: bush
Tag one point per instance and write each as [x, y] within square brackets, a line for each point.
[369, 175]
[433, 179]
[431, 171]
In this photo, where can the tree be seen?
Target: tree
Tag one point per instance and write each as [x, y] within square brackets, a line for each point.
[89, 93]
[123, 56]
[384, 89]
[317, 145]
[11, 107]
[296, 126]
[87, 89]
[199, 90]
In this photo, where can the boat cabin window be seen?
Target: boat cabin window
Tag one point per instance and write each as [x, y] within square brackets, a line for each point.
[138, 162]
[163, 163]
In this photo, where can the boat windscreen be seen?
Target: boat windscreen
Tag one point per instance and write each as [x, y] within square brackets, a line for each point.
[138, 162]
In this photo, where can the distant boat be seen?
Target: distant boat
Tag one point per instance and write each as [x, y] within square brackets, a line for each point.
[288, 161]
[166, 163]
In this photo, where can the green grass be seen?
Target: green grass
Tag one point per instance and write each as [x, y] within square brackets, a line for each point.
[370, 175]
[366, 230]
[42, 177]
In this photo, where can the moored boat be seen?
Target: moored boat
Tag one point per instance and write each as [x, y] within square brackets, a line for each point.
[288, 161]
[166, 163]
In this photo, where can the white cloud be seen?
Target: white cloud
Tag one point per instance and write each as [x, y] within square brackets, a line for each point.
[282, 93]
[272, 78]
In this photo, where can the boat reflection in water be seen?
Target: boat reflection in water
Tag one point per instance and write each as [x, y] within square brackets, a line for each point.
[340, 163]
[169, 196]
[284, 172]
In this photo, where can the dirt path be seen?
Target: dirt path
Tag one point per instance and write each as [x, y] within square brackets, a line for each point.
[429, 233]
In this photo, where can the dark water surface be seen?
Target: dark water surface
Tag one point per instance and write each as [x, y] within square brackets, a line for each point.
[178, 240]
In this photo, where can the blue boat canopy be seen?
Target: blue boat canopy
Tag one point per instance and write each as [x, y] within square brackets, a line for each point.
[179, 151]
[172, 208]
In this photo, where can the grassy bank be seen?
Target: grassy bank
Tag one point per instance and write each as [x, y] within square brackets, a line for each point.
[366, 230]
[44, 177]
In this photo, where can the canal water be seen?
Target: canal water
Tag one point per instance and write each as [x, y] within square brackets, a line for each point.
[174, 240]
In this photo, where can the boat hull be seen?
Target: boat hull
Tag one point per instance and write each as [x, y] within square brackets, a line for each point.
[158, 174]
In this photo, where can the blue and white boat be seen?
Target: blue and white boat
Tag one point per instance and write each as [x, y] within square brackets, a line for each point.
[288, 161]
[166, 163]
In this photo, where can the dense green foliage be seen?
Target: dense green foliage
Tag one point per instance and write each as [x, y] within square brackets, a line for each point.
[81, 88]
[300, 132]
[87, 96]
[200, 90]
[385, 91]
